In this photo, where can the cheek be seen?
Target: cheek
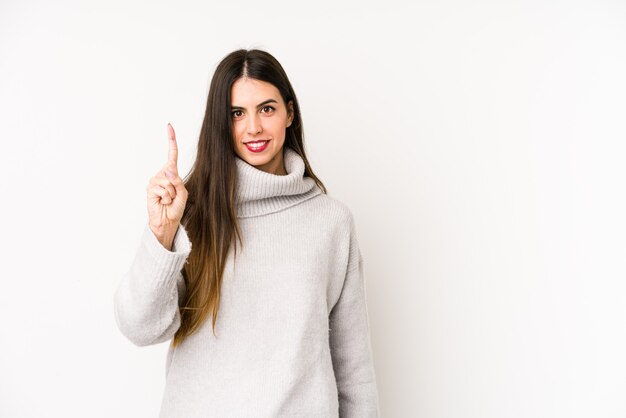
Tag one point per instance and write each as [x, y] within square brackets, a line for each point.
[278, 125]
[236, 131]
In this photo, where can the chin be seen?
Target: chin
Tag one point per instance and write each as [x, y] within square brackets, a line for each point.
[255, 159]
[262, 159]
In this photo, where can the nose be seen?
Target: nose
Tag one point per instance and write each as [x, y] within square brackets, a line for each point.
[254, 125]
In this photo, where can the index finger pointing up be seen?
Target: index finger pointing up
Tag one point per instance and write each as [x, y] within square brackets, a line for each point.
[172, 156]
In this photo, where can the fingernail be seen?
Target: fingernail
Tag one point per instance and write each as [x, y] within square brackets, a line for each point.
[169, 174]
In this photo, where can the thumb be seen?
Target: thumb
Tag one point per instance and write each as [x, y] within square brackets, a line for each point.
[176, 181]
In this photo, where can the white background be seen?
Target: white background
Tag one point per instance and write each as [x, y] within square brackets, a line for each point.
[480, 146]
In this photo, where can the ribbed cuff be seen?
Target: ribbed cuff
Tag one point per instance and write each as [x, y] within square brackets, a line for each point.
[167, 263]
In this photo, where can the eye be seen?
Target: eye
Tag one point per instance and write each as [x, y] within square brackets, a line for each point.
[234, 113]
[269, 107]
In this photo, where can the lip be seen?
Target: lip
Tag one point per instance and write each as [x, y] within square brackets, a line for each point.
[255, 140]
[257, 150]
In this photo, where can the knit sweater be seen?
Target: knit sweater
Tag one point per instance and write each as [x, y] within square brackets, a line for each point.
[292, 335]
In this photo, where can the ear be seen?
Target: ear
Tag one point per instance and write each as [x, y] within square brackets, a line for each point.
[290, 113]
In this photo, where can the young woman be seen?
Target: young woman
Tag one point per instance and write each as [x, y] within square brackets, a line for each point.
[251, 240]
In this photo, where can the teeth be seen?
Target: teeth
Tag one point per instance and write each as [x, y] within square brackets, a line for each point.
[256, 144]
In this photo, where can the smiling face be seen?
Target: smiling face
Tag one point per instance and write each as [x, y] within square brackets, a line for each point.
[260, 119]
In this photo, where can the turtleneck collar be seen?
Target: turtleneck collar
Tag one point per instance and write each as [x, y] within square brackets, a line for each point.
[259, 193]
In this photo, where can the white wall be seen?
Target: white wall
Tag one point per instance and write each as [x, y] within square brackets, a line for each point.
[480, 146]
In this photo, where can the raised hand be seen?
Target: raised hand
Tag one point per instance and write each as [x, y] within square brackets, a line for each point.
[167, 196]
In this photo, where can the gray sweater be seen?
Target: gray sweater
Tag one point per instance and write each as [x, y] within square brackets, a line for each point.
[292, 332]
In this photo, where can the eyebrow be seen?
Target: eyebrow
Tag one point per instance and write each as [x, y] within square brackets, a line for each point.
[259, 105]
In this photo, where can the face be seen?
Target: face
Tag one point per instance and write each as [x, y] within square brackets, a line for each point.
[260, 119]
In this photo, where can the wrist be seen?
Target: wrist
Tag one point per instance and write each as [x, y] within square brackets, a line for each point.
[165, 235]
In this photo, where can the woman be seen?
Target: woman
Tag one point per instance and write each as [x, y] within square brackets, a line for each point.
[275, 264]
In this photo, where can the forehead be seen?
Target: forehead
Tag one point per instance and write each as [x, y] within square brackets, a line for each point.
[250, 92]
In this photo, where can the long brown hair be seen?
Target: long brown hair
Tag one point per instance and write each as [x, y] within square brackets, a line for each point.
[210, 216]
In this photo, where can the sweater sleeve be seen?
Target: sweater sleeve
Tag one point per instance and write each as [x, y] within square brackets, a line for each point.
[146, 301]
[350, 342]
